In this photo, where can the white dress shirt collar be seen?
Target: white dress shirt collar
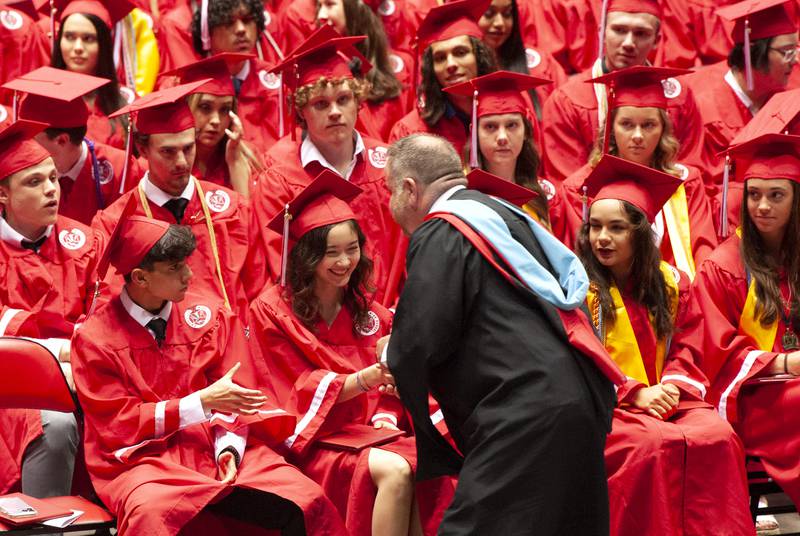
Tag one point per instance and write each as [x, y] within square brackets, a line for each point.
[11, 236]
[75, 170]
[738, 91]
[140, 315]
[309, 153]
[159, 196]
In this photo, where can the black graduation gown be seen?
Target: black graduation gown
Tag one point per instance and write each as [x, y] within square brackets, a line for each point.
[529, 414]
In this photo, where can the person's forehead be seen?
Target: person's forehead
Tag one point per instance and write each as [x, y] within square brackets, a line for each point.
[449, 44]
[44, 168]
[173, 139]
[644, 21]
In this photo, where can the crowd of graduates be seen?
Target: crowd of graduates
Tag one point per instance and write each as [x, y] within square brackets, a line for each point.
[197, 222]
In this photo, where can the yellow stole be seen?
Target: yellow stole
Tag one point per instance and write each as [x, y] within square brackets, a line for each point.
[749, 325]
[676, 217]
[620, 340]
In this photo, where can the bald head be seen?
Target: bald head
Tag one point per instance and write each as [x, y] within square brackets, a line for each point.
[424, 157]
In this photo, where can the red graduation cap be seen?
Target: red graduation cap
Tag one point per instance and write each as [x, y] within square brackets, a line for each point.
[323, 202]
[758, 19]
[639, 86]
[644, 187]
[489, 184]
[451, 20]
[775, 117]
[55, 96]
[499, 92]
[137, 236]
[18, 150]
[325, 53]
[109, 11]
[769, 156]
[217, 68]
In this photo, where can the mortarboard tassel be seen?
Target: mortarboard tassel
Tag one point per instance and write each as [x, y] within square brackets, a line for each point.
[607, 121]
[584, 205]
[748, 63]
[281, 106]
[473, 142]
[52, 25]
[15, 107]
[602, 30]
[205, 36]
[723, 210]
[292, 111]
[285, 243]
[128, 143]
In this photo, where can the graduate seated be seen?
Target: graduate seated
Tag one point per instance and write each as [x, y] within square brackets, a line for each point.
[669, 457]
[174, 424]
[640, 130]
[325, 97]
[227, 262]
[48, 266]
[90, 172]
[318, 331]
[747, 291]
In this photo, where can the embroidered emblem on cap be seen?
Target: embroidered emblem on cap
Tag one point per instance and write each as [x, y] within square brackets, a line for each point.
[532, 58]
[269, 80]
[72, 239]
[548, 188]
[672, 88]
[386, 8]
[197, 316]
[105, 170]
[397, 63]
[370, 326]
[218, 200]
[11, 19]
[377, 157]
[127, 93]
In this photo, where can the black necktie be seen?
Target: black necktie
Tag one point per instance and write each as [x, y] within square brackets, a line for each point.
[33, 245]
[159, 328]
[237, 85]
[177, 206]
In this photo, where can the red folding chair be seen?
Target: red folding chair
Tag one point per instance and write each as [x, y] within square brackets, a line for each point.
[32, 379]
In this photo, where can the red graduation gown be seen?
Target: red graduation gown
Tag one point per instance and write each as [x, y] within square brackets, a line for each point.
[693, 33]
[764, 415]
[43, 295]
[257, 106]
[702, 233]
[570, 125]
[659, 471]
[377, 119]
[154, 475]
[285, 178]
[308, 370]
[81, 201]
[241, 258]
[23, 47]
[450, 128]
[100, 129]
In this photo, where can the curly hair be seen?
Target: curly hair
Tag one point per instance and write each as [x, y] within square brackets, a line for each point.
[302, 95]
[108, 96]
[431, 89]
[301, 271]
[646, 279]
[664, 156]
[765, 269]
[220, 13]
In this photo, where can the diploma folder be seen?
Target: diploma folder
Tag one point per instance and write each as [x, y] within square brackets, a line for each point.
[355, 437]
[44, 511]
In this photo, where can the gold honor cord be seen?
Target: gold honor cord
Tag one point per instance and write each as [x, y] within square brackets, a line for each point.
[211, 234]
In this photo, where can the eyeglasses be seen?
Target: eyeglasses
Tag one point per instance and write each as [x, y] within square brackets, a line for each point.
[789, 54]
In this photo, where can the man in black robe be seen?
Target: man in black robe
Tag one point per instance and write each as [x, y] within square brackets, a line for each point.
[528, 412]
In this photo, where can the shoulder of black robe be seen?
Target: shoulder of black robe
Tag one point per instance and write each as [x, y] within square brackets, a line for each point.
[447, 279]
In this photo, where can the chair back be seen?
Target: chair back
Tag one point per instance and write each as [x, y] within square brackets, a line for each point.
[31, 377]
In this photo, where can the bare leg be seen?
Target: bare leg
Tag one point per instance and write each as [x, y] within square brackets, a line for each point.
[395, 482]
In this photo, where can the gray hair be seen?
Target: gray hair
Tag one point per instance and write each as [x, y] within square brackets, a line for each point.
[423, 157]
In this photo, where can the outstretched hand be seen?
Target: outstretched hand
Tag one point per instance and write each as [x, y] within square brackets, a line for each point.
[227, 396]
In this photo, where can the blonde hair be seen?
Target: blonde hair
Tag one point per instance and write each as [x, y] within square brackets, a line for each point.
[664, 156]
[302, 95]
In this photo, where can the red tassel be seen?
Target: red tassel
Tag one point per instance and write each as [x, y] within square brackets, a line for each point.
[748, 63]
[128, 143]
[602, 30]
[285, 243]
[584, 205]
[723, 210]
[607, 122]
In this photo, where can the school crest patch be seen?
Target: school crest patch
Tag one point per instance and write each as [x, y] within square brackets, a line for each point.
[377, 157]
[548, 188]
[672, 88]
[11, 19]
[370, 326]
[197, 316]
[532, 58]
[105, 171]
[269, 80]
[218, 200]
[387, 8]
[72, 239]
[397, 63]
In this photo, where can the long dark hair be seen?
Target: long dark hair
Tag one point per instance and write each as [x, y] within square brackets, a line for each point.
[361, 20]
[764, 268]
[431, 90]
[646, 280]
[526, 171]
[108, 96]
[303, 261]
